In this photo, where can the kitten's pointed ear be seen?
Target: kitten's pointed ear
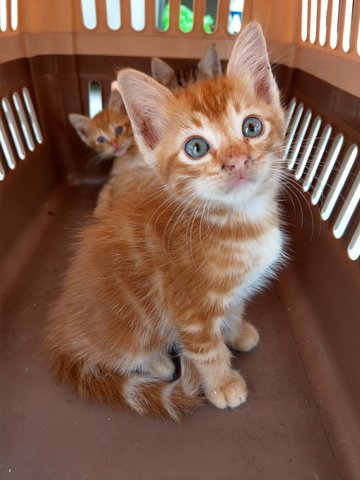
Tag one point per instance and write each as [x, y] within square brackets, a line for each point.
[115, 100]
[144, 100]
[161, 71]
[210, 65]
[249, 57]
[81, 125]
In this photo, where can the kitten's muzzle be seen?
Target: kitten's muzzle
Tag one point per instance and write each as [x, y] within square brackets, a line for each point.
[236, 165]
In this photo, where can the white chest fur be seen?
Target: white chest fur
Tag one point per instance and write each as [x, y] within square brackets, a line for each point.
[262, 256]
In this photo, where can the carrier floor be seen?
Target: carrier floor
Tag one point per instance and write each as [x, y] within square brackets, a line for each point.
[50, 433]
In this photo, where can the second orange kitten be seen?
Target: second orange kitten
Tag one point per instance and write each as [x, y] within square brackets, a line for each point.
[109, 131]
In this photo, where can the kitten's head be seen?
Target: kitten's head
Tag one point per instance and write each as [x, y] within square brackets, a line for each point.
[109, 133]
[208, 67]
[219, 140]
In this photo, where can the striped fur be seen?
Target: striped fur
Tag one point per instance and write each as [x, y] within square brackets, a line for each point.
[180, 249]
[209, 66]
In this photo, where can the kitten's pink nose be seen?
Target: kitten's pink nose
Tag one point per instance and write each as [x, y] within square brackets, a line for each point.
[235, 163]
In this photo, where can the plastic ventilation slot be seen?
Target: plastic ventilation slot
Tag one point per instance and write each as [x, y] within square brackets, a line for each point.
[299, 139]
[214, 14]
[25, 127]
[339, 182]
[304, 19]
[348, 209]
[290, 112]
[322, 26]
[235, 16]
[2, 172]
[292, 128]
[32, 115]
[6, 148]
[347, 25]
[138, 15]
[3, 15]
[354, 245]
[308, 147]
[327, 169]
[88, 8]
[19, 146]
[14, 14]
[317, 157]
[95, 98]
[190, 4]
[332, 22]
[313, 19]
[113, 14]
[334, 25]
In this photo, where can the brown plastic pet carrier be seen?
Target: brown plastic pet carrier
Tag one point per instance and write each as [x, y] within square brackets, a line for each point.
[302, 417]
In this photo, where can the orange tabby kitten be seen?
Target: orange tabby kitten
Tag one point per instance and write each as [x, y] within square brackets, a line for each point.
[195, 234]
[208, 67]
[109, 131]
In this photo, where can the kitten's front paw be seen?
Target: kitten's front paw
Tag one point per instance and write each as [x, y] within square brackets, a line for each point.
[231, 393]
[247, 340]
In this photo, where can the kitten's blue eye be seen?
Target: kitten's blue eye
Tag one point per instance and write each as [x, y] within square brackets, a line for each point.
[101, 139]
[118, 130]
[196, 147]
[252, 127]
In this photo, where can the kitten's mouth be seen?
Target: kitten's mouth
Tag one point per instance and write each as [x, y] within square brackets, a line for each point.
[240, 180]
[119, 150]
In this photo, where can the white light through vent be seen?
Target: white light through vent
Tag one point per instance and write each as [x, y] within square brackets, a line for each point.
[327, 169]
[14, 14]
[3, 15]
[25, 127]
[32, 115]
[292, 128]
[313, 19]
[317, 158]
[347, 25]
[334, 24]
[308, 147]
[2, 172]
[290, 112]
[339, 182]
[138, 14]
[19, 146]
[304, 20]
[348, 209]
[354, 245]
[5, 144]
[88, 8]
[299, 139]
[323, 15]
[113, 15]
[95, 98]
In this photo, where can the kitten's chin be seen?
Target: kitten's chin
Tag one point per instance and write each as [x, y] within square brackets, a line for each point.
[240, 183]
[240, 195]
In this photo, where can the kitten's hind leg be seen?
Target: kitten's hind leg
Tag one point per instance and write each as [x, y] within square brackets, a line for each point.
[159, 365]
[239, 334]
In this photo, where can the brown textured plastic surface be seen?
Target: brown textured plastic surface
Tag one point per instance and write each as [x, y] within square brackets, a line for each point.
[50, 433]
[301, 420]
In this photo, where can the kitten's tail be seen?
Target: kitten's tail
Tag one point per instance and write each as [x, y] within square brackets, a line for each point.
[137, 392]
